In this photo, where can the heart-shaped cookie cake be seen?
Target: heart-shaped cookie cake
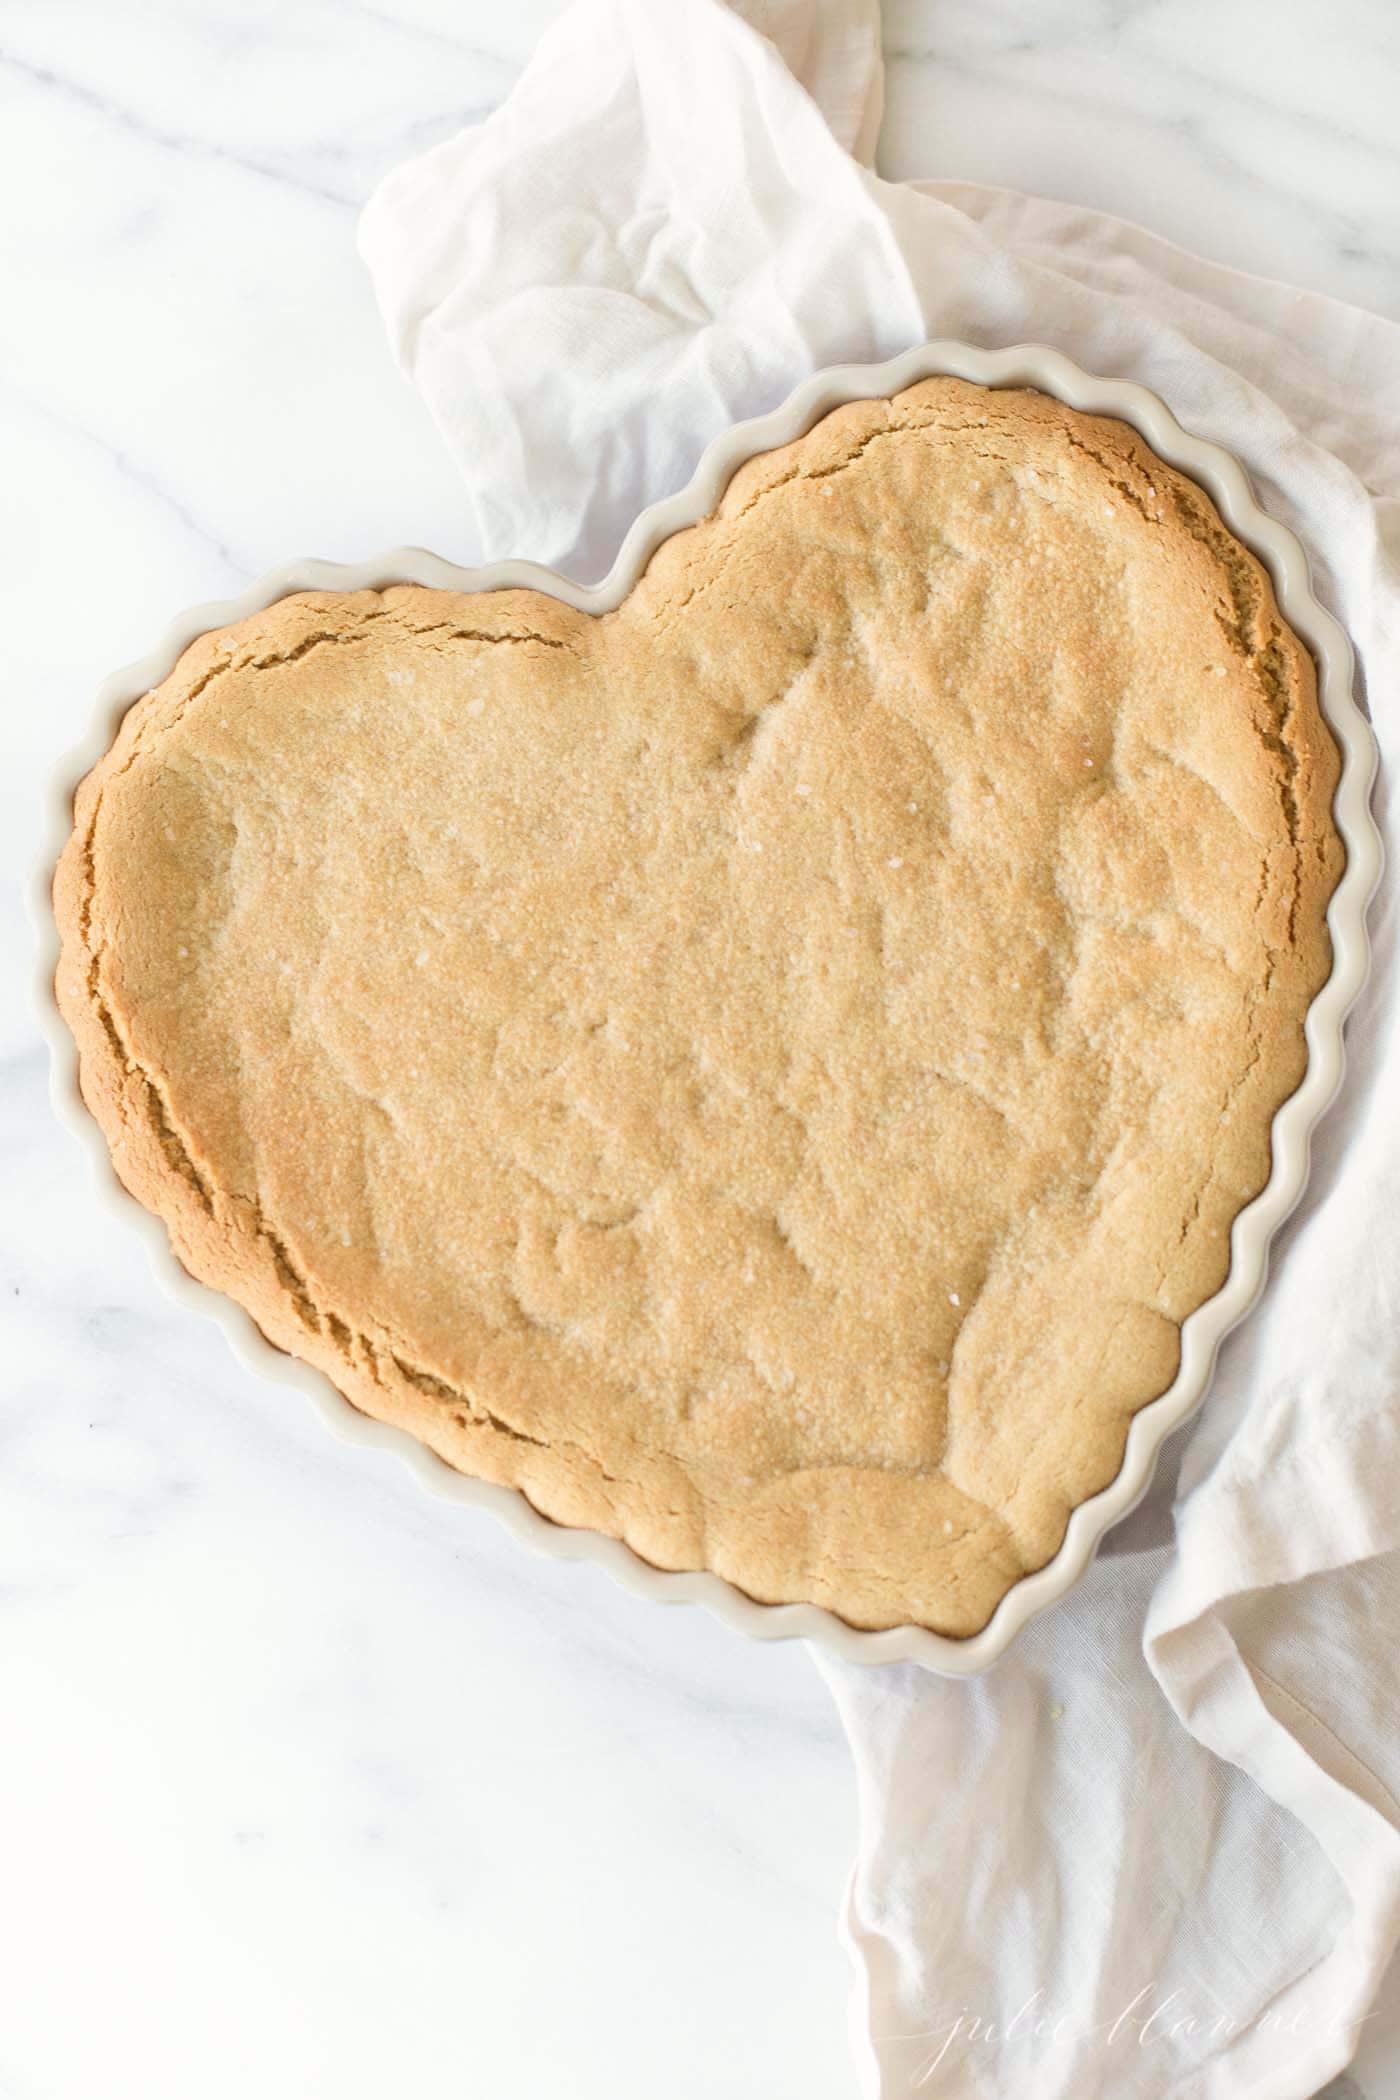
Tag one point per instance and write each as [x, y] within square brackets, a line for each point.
[765, 1071]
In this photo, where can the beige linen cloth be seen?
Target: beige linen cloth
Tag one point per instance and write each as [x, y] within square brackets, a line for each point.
[1155, 1853]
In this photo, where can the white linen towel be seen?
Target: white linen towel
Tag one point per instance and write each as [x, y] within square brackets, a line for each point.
[1155, 1852]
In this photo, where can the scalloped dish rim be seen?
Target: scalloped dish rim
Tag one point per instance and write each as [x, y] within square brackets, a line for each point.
[1030, 365]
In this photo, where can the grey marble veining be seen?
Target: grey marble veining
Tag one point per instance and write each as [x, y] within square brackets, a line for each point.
[309, 1784]
[1262, 135]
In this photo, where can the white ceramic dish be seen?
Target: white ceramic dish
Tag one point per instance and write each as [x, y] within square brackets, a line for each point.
[1255, 1226]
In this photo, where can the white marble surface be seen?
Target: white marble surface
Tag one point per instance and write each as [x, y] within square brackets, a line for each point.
[309, 1785]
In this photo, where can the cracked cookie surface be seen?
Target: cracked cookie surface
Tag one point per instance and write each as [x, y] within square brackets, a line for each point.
[766, 1071]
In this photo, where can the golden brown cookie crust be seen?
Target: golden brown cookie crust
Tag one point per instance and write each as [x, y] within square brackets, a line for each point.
[764, 1072]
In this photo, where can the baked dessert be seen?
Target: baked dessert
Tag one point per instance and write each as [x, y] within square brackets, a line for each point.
[765, 1072]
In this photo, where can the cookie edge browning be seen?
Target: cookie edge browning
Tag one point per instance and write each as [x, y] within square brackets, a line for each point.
[225, 1241]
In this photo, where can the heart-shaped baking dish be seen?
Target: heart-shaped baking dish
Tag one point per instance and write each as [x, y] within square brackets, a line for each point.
[1047, 373]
